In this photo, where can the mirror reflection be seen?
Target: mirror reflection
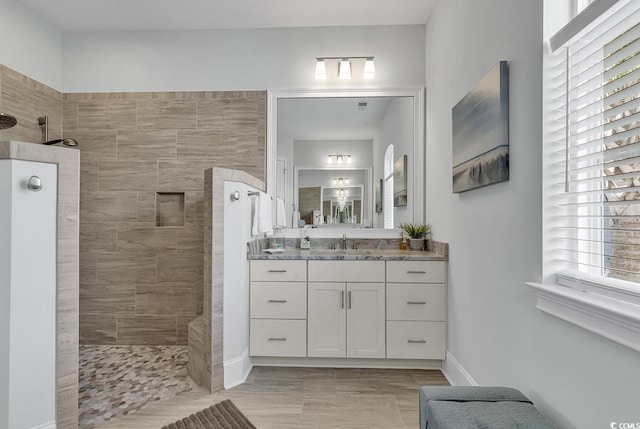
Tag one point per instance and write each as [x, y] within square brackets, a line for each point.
[332, 196]
[331, 150]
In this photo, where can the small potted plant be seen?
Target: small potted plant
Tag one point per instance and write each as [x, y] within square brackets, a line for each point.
[417, 233]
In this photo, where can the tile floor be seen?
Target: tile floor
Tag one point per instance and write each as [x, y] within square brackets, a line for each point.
[117, 380]
[314, 398]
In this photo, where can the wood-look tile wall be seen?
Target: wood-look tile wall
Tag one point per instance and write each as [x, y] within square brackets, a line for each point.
[27, 99]
[143, 157]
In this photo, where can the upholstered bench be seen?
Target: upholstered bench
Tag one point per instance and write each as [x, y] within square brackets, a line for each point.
[462, 407]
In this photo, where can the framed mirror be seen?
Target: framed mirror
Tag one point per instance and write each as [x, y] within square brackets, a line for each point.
[315, 138]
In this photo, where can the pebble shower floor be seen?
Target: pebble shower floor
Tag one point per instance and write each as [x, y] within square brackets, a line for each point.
[118, 380]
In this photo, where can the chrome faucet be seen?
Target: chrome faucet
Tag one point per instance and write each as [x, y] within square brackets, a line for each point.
[344, 241]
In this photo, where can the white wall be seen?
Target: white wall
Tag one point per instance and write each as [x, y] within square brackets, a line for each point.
[237, 59]
[28, 296]
[30, 45]
[495, 333]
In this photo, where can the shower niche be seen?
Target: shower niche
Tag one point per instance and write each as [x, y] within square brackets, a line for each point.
[170, 209]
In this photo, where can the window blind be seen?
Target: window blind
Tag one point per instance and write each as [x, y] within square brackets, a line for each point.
[598, 217]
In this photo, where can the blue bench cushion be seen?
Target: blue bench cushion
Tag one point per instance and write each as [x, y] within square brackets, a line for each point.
[478, 407]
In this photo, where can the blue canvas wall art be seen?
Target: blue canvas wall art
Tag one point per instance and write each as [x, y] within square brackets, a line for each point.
[481, 133]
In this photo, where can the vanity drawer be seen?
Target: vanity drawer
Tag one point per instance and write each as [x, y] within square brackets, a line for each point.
[283, 338]
[416, 301]
[416, 340]
[416, 271]
[346, 271]
[278, 300]
[279, 271]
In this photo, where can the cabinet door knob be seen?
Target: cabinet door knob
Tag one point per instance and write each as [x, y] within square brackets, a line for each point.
[416, 303]
[278, 301]
[277, 339]
[417, 342]
[416, 272]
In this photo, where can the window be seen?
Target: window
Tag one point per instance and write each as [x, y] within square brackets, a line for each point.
[388, 187]
[598, 215]
[591, 172]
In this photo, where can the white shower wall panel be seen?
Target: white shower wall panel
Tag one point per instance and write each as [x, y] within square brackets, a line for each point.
[27, 295]
[237, 232]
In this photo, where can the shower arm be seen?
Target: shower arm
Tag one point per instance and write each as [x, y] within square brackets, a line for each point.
[44, 121]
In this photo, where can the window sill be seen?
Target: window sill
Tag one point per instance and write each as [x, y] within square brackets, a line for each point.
[613, 319]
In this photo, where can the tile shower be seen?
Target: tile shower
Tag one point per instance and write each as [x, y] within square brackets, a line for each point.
[141, 203]
[141, 198]
[141, 219]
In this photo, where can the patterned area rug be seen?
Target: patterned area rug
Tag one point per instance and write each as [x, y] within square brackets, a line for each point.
[119, 380]
[223, 415]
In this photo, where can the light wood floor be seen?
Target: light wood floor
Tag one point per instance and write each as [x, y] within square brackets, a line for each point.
[286, 398]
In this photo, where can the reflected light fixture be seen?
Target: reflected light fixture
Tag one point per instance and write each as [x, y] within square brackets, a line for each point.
[344, 66]
[340, 181]
[339, 159]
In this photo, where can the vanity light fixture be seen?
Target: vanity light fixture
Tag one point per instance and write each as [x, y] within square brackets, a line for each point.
[340, 181]
[344, 67]
[339, 159]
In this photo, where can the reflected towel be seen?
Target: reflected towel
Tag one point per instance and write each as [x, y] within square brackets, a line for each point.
[280, 213]
[262, 215]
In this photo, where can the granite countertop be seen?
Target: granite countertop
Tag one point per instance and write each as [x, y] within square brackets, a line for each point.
[350, 255]
[367, 250]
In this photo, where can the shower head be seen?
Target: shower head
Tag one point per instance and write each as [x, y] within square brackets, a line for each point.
[7, 121]
[66, 142]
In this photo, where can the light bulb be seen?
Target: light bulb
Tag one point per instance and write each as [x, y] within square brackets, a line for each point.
[339, 159]
[344, 69]
[369, 69]
[348, 159]
[330, 159]
[321, 70]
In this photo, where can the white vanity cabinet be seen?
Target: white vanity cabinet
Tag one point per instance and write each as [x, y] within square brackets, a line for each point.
[348, 312]
[346, 309]
[278, 308]
[416, 309]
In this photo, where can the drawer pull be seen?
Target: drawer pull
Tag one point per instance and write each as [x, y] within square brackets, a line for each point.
[278, 301]
[342, 300]
[277, 271]
[417, 342]
[349, 300]
[277, 339]
[416, 303]
[416, 272]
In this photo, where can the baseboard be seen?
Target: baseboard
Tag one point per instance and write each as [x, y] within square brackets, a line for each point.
[50, 425]
[455, 372]
[237, 370]
[346, 362]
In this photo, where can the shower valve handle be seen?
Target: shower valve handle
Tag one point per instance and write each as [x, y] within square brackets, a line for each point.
[34, 184]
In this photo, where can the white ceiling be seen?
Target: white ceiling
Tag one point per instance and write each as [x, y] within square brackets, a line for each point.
[149, 15]
[330, 118]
